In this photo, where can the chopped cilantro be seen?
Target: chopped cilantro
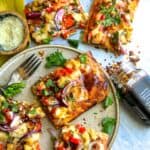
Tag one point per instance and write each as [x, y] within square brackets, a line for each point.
[5, 104]
[55, 59]
[83, 58]
[14, 107]
[108, 102]
[112, 16]
[50, 83]
[95, 113]
[47, 40]
[73, 43]
[32, 111]
[2, 117]
[108, 125]
[13, 89]
[45, 92]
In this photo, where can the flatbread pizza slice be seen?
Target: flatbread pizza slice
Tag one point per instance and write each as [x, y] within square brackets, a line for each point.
[70, 90]
[53, 18]
[110, 24]
[20, 125]
[78, 137]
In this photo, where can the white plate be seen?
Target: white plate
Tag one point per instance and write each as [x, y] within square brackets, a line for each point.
[92, 118]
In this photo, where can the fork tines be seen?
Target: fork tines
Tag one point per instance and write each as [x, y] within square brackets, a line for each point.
[29, 65]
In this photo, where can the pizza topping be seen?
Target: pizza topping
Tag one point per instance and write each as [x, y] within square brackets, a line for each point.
[19, 123]
[108, 125]
[68, 21]
[73, 43]
[59, 17]
[33, 15]
[74, 91]
[55, 59]
[112, 16]
[83, 58]
[13, 89]
[110, 24]
[77, 137]
[62, 17]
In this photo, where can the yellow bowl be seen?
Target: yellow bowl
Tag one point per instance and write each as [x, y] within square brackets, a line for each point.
[25, 40]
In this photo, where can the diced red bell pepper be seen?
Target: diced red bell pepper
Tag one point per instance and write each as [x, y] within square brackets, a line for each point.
[1, 146]
[49, 9]
[81, 128]
[38, 146]
[102, 17]
[38, 126]
[63, 72]
[68, 21]
[8, 115]
[45, 101]
[75, 140]
[60, 148]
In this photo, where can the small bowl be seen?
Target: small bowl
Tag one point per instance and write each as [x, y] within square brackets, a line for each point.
[20, 47]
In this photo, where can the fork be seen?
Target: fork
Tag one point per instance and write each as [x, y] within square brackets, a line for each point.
[24, 71]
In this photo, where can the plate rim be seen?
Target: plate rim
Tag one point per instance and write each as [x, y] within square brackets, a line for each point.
[77, 51]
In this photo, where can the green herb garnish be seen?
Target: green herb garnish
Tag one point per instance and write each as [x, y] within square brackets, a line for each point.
[108, 102]
[32, 111]
[115, 37]
[2, 117]
[112, 15]
[55, 59]
[47, 40]
[45, 92]
[5, 104]
[73, 43]
[108, 125]
[95, 113]
[13, 89]
[50, 83]
[14, 108]
[83, 58]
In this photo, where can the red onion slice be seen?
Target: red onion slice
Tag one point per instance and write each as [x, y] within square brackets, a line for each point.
[78, 84]
[6, 128]
[33, 15]
[58, 18]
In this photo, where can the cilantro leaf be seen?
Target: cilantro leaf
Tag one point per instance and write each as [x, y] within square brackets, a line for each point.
[47, 40]
[55, 59]
[32, 111]
[14, 108]
[112, 16]
[50, 83]
[107, 102]
[13, 89]
[83, 58]
[73, 43]
[108, 125]
[2, 117]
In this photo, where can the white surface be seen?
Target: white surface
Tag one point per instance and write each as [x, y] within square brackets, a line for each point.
[132, 135]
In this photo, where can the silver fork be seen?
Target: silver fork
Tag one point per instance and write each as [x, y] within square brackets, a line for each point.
[24, 71]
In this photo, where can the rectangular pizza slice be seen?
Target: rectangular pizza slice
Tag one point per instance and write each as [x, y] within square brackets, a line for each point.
[52, 18]
[20, 125]
[110, 24]
[78, 137]
[70, 90]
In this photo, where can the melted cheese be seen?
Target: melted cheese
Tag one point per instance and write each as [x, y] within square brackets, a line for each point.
[11, 32]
